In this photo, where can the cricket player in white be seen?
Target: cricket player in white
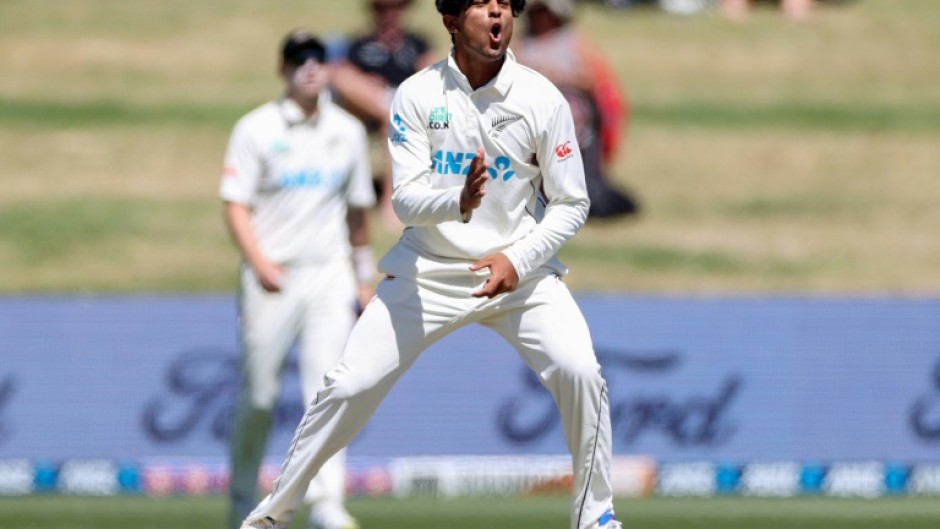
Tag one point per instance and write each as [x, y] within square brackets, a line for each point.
[296, 188]
[489, 183]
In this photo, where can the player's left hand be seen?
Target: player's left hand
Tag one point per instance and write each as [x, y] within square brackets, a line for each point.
[363, 296]
[503, 277]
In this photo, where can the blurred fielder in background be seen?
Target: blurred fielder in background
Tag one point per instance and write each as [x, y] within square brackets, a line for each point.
[296, 188]
[489, 182]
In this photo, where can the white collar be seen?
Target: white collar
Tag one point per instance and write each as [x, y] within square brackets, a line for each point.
[500, 83]
[294, 115]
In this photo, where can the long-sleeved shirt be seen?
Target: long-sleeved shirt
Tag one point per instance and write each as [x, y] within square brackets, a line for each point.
[535, 199]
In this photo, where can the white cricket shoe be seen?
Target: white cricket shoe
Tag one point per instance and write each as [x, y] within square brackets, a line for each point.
[265, 523]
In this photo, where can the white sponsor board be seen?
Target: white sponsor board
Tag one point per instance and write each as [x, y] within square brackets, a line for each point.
[771, 479]
[862, 479]
[93, 478]
[687, 479]
[924, 480]
[16, 477]
[452, 476]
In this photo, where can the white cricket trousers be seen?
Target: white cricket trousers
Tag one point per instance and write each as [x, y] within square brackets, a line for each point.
[315, 308]
[540, 319]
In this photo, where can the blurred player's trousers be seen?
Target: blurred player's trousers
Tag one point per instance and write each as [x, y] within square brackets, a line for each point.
[315, 308]
[540, 319]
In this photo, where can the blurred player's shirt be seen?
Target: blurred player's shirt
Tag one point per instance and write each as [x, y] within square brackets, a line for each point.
[299, 176]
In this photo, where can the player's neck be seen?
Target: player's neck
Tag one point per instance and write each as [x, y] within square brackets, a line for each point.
[478, 72]
[309, 105]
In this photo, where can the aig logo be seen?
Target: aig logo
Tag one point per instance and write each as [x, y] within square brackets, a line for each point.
[458, 163]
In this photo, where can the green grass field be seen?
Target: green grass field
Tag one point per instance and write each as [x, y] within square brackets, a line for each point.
[769, 156]
[56, 512]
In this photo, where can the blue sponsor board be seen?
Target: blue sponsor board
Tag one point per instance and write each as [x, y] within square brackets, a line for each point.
[729, 380]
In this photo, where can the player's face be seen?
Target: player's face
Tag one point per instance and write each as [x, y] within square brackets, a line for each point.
[483, 30]
[307, 79]
[388, 15]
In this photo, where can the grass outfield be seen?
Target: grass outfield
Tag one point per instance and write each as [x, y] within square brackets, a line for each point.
[60, 512]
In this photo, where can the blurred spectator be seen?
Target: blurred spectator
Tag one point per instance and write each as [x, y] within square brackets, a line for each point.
[676, 7]
[683, 7]
[794, 9]
[554, 48]
[365, 81]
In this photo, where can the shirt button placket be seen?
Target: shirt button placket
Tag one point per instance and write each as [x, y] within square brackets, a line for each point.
[472, 116]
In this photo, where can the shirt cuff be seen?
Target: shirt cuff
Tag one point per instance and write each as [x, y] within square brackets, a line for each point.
[521, 268]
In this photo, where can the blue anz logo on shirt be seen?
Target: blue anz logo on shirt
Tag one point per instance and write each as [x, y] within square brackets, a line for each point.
[449, 162]
[398, 130]
[501, 167]
[310, 178]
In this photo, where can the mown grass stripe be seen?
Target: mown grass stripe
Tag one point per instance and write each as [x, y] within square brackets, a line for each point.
[792, 115]
[785, 115]
[105, 113]
[179, 512]
[671, 259]
[47, 231]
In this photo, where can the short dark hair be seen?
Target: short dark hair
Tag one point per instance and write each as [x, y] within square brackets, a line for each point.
[455, 7]
[300, 45]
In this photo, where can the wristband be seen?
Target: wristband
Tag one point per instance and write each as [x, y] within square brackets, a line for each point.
[363, 264]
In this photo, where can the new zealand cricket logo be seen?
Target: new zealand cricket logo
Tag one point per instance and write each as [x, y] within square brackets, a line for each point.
[501, 123]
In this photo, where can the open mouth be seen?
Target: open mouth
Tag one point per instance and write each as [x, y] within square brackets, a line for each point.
[496, 31]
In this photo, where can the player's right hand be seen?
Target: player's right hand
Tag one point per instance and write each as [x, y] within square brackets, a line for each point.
[270, 276]
[503, 276]
[474, 186]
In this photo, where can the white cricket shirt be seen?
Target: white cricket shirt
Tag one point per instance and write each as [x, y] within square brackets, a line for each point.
[535, 199]
[299, 176]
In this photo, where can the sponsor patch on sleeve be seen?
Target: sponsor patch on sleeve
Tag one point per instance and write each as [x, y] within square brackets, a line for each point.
[398, 130]
[564, 151]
